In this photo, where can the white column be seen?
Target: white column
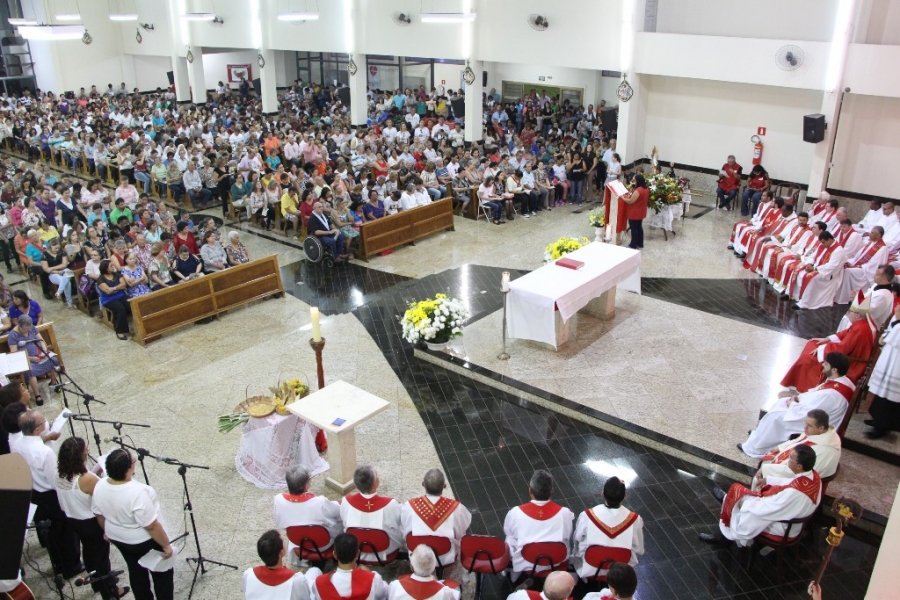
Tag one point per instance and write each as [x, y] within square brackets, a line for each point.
[474, 131]
[883, 583]
[632, 114]
[358, 85]
[182, 81]
[834, 85]
[197, 76]
[267, 82]
[180, 42]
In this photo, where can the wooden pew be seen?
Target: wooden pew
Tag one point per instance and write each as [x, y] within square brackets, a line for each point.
[209, 296]
[46, 331]
[405, 227]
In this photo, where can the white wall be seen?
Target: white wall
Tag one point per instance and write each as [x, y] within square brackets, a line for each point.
[556, 76]
[236, 32]
[215, 65]
[285, 68]
[452, 74]
[376, 32]
[774, 19]
[155, 43]
[701, 122]
[150, 72]
[878, 22]
[866, 152]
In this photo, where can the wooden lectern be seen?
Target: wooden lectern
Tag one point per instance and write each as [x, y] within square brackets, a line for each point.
[615, 212]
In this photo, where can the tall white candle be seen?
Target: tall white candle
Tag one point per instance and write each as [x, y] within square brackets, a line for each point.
[504, 281]
[316, 331]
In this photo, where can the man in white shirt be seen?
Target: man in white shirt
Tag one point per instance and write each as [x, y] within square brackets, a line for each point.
[557, 586]
[347, 579]
[457, 137]
[412, 118]
[194, 186]
[367, 509]
[540, 520]
[299, 507]
[292, 151]
[421, 134]
[272, 580]
[389, 133]
[422, 584]
[60, 540]
[436, 515]
[440, 131]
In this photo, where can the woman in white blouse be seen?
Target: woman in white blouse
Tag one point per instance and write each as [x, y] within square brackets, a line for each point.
[129, 513]
[614, 169]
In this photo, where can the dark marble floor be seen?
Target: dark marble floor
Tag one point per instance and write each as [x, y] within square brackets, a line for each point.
[490, 442]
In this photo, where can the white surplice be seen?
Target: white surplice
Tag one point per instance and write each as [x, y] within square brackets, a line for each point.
[860, 276]
[520, 529]
[885, 378]
[881, 307]
[587, 534]
[827, 447]
[822, 288]
[317, 510]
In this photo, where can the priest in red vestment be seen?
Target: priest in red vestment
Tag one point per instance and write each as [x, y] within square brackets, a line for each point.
[793, 240]
[368, 510]
[855, 342]
[436, 515]
[347, 581]
[422, 584]
[272, 580]
[778, 230]
[746, 513]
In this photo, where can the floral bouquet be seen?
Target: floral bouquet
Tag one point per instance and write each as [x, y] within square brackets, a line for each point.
[597, 217]
[664, 191]
[563, 246]
[437, 321]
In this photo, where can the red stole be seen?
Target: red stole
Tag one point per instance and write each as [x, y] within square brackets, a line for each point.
[272, 577]
[433, 515]
[796, 234]
[541, 512]
[360, 586]
[818, 208]
[810, 486]
[870, 251]
[778, 458]
[842, 237]
[822, 256]
[755, 255]
[844, 390]
[298, 498]
[420, 590]
[612, 532]
[367, 505]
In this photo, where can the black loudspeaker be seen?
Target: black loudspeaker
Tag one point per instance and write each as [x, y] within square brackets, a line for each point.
[813, 128]
[459, 107]
[171, 76]
[257, 87]
[484, 79]
[15, 496]
[344, 95]
[609, 120]
[12, 41]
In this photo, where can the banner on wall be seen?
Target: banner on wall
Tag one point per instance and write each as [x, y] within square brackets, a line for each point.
[238, 72]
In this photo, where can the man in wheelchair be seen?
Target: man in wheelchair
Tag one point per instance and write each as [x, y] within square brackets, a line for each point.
[321, 227]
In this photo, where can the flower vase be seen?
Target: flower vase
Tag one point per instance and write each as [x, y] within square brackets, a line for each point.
[598, 237]
[437, 346]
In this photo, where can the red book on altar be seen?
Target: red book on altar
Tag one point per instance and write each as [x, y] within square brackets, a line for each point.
[570, 263]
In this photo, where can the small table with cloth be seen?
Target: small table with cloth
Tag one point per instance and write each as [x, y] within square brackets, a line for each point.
[273, 444]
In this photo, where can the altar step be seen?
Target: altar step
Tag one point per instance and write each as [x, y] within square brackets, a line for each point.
[886, 449]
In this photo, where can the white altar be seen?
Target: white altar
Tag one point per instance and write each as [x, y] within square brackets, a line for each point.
[540, 304]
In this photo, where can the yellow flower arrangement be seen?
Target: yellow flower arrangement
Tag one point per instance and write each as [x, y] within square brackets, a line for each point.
[435, 320]
[563, 246]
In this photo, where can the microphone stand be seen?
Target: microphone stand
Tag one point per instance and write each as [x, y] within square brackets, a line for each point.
[188, 506]
[86, 400]
[142, 453]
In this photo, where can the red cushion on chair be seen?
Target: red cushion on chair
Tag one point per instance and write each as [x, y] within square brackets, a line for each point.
[602, 556]
[439, 544]
[309, 540]
[373, 541]
[550, 556]
[483, 554]
[775, 538]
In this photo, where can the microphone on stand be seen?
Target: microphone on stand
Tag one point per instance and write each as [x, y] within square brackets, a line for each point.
[92, 577]
[144, 451]
[80, 581]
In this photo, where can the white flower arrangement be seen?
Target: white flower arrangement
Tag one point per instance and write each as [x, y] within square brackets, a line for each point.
[437, 321]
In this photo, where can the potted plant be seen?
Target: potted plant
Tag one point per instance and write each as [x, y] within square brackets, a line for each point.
[434, 321]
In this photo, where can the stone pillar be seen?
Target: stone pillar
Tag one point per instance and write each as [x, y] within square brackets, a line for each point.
[197, 76]
[182, 81]
[358, 85]
[267, 80]
[474, 131]
[632, 117]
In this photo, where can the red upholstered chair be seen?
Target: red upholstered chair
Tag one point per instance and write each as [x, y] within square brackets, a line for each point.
[600, 557]
[438, 544]
[373, 541]
[554, 555]
[311, 541]
[483, 554]
[782, 542]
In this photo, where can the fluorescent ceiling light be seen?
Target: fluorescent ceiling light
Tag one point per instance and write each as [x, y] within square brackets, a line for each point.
[68, 17]
[123, 17]
[447, 17]
[52, 32]
[199, 16]
[15, 22]
[298, 16]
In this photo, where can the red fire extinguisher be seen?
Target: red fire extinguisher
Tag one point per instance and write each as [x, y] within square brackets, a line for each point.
[757, 149]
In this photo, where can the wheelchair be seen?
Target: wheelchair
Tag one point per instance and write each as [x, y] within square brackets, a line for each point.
[317, 252]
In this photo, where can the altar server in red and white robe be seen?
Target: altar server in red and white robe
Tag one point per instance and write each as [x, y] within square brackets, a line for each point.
[819, 435]
[881, 299]
[871, 219]
[794, 243]
[779, 230]
[434, 514]
[819, 206]
[859, 270]
[764, 218]
[856, 342]
[788, 415]
[609, 524]
[849, 239]
[422, 584]
[747, 513]
[831, 217]
[369, 510]
[557, 586]
[299, 507]
[816, 285]
[540, 520]
[790, 264]
[272, 580]
[347, 581]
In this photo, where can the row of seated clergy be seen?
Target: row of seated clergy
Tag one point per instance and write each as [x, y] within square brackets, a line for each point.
[539, 520]
[787, 416]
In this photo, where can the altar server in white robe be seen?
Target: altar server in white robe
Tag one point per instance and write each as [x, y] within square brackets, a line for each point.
[540, 520]
[422, 584]
[347, 580]
[369, 510]
[272, 580]
[817, 285]
[609, 524]
[796, 245]
[299, 507]
[434, 514]
[557, 586]
[849, 239]
[746, 513]
[787, 416]
[859, 270]
[880, 297]
[871, 219]
[884, 384]
[819, 435]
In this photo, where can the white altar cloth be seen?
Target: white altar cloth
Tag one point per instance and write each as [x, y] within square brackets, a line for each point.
[534, 298]
[271, 445]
